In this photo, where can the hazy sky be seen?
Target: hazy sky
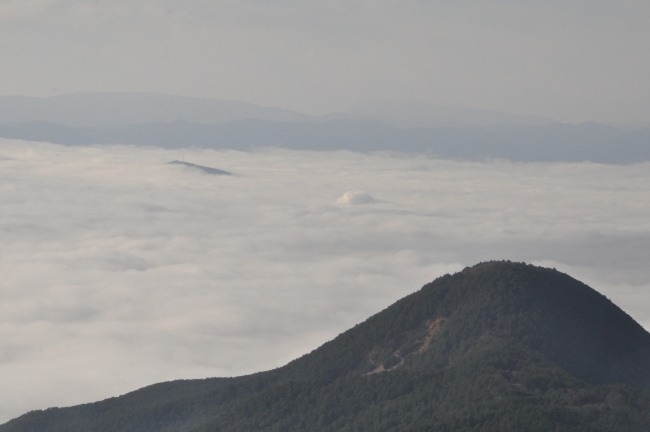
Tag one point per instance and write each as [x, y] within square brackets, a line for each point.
[573, 60]
[119, 271]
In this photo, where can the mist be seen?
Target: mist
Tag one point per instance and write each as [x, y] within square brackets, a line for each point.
[120, 270]
[573, 60]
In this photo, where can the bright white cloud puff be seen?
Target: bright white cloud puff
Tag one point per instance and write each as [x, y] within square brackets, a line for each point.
[356, 198]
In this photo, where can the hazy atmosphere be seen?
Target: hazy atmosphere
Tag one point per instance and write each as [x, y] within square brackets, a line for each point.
[573, 60]
[368, 148]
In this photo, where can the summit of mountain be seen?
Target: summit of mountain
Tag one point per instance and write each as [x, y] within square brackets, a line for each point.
[205, 169]
[499, 346]
[540, 309]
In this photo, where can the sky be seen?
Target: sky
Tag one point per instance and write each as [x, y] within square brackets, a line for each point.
[119, 270]
[573, 60]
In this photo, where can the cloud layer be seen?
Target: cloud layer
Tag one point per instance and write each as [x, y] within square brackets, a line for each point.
[120, 271]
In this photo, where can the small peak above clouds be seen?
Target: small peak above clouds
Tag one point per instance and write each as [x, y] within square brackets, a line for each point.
[208, 170]
[356, 198]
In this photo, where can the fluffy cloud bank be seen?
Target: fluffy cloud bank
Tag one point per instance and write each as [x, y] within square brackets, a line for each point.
[120, 271]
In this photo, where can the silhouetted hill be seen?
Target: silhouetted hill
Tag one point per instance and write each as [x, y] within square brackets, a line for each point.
[500, 346]
[95, 109]
[205, 169]
[540, 309]
[548, 143]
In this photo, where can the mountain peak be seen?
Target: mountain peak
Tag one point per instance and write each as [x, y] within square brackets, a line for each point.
[539, 309]
[497, 346]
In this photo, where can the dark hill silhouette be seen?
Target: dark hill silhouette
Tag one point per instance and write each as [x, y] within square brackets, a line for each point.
[96, 109]
[592, 142]
[541, 309]
[500, 346]
[205, 169]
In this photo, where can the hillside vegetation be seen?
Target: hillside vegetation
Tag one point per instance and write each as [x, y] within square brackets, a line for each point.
[500, 346]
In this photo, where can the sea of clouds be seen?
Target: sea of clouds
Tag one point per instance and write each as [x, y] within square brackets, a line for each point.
[119, 270]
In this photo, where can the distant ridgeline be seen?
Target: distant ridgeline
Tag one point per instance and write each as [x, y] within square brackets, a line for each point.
[538, 143]
[205, 169]
[497, 347]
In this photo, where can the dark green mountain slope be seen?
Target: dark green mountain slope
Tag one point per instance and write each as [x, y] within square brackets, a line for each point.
[497, 347]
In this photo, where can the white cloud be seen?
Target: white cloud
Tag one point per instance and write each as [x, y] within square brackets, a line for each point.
[356, 198]
[120, 271]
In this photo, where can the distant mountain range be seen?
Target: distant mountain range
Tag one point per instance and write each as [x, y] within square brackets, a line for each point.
[445, 132]
[420, 114]
[500, 346]
[550, 143]
[88, 109]
[91, 109]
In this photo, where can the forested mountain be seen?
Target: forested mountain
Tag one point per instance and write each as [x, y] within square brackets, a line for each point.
[500, 346]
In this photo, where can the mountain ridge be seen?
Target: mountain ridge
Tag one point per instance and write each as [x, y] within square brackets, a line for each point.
[499, 346]
[105, 109]
[97, 109]
[422, 114]
[412, 313]
[557, 142]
